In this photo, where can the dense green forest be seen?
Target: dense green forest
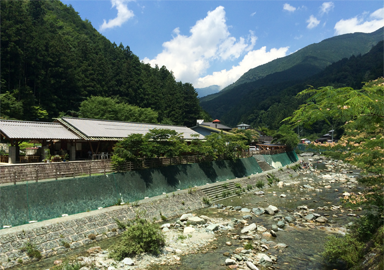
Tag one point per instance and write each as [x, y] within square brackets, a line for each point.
[267, 101]
[52, 61]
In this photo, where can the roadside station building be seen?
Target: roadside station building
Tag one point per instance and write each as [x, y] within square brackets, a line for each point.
[80, 138]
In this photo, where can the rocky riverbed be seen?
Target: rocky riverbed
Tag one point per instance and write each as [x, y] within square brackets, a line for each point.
[279, 227]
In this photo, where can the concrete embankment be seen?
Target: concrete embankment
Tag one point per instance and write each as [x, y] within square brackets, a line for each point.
[53, 236]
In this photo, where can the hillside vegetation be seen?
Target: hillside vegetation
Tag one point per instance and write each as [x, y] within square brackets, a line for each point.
[52, 60]
[267, 101]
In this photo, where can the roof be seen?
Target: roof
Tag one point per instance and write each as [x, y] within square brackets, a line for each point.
[108, 130]
[212, 129]
[216, 125]
[14, 129]
[216, 121]
[243, 125]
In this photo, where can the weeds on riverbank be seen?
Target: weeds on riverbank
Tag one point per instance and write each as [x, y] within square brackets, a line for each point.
[141, 236]
[31, 250]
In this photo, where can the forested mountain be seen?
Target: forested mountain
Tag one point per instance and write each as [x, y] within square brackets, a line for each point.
[267, 101]
[315, 57]
[202, 92]
[52, 60]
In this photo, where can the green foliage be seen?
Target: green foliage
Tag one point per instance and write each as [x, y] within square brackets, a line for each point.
[345, 248]
[71, 266]
[163, 218]
[52, 60]
[249, 187]
[225, 185]
[225, 193]
[65, 244]
[267, 100]
[119, 224]
[270, 181]
[106, 108]
[238, 192]
[285, 135]
[142, 236]
[182, 237]
[31, 250]
[260, 184]
[248, 245]
[206, 201]
[237, 185]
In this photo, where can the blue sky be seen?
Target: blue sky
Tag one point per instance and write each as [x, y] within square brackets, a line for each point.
[215, 42]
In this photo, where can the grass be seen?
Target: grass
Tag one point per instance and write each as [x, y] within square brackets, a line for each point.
[260, 184]
[206, 201]
[31, 250]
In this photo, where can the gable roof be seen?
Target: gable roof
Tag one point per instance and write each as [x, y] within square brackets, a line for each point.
[216, 125]
[109, 130]
[15, 129]
[211, 129]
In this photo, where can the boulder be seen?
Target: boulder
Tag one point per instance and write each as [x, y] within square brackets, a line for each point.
[128, 261]
[185, 217]
[280, 224]
[289, 219]
[251, 266]
[322, 219]
[245, 210]
[196, 220]
[258, 211]
[259, 192]
[247, 217]
[273, 233]
[309, 217]
[237, 208]
[230, 262]
[261, 229]
[249, 228]
[271, 210]
[213, 227]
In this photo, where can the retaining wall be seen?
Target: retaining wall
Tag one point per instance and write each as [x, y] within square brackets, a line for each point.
[49, 236]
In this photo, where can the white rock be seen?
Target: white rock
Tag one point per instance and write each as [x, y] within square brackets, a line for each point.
[188, 230]
[196, 220]
[185, 217]
[166, 225]
[230, 262]
[128, 261]
[249, 228]
[283, 195]
[251, 266]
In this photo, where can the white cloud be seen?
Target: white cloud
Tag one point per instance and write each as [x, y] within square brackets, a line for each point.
[360, 24]
[189, 57]
[253, 14]
[123, 15]
[288, 7]
[251, 60]
[298, 37]
[326, 7]
[312, 22]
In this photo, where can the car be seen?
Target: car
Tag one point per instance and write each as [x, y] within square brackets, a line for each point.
[252, 148]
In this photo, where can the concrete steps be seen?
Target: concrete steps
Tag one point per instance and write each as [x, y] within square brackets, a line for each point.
[264, 165]
[215, 193]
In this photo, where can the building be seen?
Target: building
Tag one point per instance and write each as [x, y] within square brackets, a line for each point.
[207, 128]
[243, 126]
[80, 138]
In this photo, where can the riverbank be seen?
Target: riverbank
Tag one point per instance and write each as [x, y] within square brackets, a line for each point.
[281, 227]
[59, 235]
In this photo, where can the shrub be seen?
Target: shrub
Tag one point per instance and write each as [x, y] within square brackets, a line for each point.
[260, 184]
[20, 261]
[347, 249]
[142, 236]
[92, 236]
[65, 244]
[119, 224]
[237, 185]
[225, 185]
[163, 217]
[238, 192]
[31, 250]
[71, 266]
[225, 193]
[206, 201]
[248, 246]
[249, 187]
[270, 181]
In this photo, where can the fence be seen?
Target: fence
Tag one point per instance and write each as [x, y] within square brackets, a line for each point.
[39, 171]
